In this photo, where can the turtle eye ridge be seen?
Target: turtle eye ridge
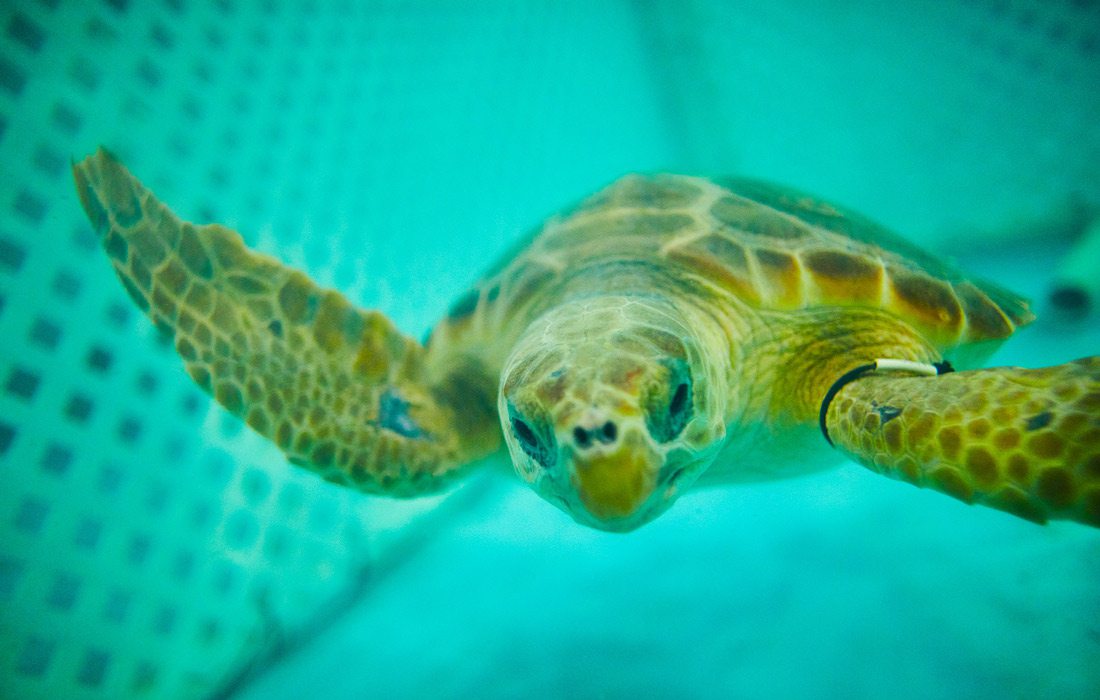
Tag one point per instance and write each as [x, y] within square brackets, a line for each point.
[669, 412]
[530, 442]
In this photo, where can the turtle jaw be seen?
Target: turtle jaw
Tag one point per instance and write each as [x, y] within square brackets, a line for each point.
[624, 488]
[612, 486]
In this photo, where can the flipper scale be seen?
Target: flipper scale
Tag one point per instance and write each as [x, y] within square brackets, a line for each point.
[1023, 440]
[340, 390]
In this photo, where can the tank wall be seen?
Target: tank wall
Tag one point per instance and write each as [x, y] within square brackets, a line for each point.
[150, 546]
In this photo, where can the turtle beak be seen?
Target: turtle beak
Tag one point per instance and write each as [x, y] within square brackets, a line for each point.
[613, 484]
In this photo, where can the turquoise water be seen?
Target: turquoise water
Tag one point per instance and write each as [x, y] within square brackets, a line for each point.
[836, 585]
[152, 547]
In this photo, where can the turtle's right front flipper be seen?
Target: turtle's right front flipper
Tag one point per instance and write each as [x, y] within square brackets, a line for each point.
[1022, 440]
[338, 389]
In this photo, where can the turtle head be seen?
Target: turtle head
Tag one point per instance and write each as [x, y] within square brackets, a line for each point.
[607, 410]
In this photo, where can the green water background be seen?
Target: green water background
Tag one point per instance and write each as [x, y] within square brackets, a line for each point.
[152, 547]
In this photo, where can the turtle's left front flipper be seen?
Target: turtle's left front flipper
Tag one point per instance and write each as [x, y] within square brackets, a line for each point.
[1025, 441]
[340, 390]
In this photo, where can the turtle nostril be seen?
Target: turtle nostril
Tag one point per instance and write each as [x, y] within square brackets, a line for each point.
[581, 437]
[608, 432]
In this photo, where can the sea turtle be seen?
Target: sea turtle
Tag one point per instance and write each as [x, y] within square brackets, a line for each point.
[667, 332]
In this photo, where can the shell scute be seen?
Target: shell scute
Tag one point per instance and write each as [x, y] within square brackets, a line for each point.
[850, 259]
[782, 272]
[659, 191]
[614, 230]
[720, 260]
[664, 192]
[745, 215]
[768, 246]
[928, 299]
[983, 316]
[845, 277]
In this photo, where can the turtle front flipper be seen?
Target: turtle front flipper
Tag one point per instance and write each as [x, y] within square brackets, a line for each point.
[338, 389]
[1025, 441]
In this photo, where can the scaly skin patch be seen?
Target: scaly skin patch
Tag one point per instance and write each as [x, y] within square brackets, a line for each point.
[338, 389]
[618, 346]
[1025, 441]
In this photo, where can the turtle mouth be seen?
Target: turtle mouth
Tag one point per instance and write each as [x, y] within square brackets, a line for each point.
[614, 485]
[618, 525]
[682, 467]
[673, 479]
[618, 490]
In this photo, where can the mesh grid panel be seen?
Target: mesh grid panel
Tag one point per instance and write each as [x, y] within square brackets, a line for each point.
[936, 117]
[150, 546]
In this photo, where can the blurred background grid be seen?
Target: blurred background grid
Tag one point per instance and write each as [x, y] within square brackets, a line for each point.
[153, 547]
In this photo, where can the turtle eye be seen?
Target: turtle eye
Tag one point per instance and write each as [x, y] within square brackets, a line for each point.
[666, 419]
[527, 438]
[679, 408]
[529, 441]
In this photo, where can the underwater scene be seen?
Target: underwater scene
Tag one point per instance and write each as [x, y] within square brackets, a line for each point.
[634, 457]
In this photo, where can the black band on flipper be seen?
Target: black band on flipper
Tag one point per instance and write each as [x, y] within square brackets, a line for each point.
[844, 380]
[850, 376]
